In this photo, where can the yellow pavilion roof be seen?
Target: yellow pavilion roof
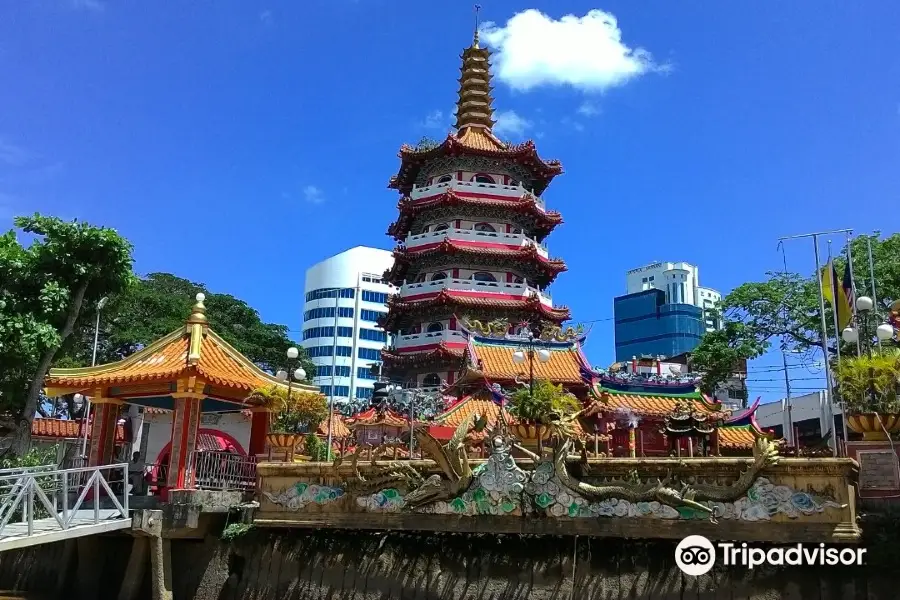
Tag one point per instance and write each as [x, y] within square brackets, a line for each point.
[192, 351]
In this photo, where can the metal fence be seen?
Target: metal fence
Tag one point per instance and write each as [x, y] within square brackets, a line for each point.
[223, 471]
[33, 493]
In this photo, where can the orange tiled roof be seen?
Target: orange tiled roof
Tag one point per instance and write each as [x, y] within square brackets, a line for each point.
[65, 429]
[339, 428]
[166, 360]
[374, 417]
[496, 363]
[741, 437]
[642, 404]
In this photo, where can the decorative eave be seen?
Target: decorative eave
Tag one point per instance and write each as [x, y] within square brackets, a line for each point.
[527, 204]
[475, 142]
[439, 355]
[741, 437]
[194, 351]
[547, 269]
[609, 402]
[401, 311]
[374, 417]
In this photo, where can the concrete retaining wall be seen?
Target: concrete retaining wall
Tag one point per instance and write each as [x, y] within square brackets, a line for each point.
[301, 564]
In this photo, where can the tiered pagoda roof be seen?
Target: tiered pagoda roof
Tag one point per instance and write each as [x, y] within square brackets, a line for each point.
[374, 417]
[449, 302]
[541, 222]
[474, 120]
[536, 268]
[442, 354]
[741, 430]
[492, 361]
[645, 397]
[193, 356]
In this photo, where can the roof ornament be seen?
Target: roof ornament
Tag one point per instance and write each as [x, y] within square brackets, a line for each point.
[196, 326]
[475, 36]
[198, 312]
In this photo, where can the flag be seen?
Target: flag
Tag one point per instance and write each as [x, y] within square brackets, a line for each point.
[849, 288]
[836, 296]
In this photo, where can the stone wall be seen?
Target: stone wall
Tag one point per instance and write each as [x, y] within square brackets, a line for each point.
[345, 565]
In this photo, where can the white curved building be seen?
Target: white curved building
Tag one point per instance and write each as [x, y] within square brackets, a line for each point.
[345, 295]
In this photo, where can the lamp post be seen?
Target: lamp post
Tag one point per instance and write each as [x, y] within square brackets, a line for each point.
[298, 374]
[883, 332]
[530, 349]
[87, 403]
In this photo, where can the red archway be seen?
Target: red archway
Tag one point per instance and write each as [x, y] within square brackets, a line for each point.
[162, 459]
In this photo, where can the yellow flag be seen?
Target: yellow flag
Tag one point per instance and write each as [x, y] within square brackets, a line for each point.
[836, 296]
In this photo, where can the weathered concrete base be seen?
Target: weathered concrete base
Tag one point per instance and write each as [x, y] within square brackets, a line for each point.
[314, 564]
[134, 573]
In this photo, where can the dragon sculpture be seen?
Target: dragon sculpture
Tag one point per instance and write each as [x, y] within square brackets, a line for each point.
[452, 459]
[689, 495]
[500, 328]
[393, 474]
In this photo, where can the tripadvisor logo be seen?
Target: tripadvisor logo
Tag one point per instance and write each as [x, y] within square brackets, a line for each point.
[695, 555]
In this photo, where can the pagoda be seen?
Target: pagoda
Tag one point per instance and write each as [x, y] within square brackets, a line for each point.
[470, 233]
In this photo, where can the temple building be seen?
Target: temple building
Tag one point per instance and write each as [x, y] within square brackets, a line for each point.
[470, 235]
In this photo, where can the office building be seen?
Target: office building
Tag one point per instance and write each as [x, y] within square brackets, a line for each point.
[345, 297]
[664, 312]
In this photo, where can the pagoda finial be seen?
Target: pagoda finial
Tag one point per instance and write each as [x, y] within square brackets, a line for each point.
[473, 108]
[198, 312]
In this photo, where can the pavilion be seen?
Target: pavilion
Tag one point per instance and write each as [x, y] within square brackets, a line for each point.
[191, 371]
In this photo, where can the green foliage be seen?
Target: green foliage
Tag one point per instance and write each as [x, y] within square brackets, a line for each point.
[316, 449]
[786, 306]
[721, 351]
[43, 288]
[548, 400]
[35, 457]
[870, 383]
[303, 412]
[426, 143]
[233, 531]
[159, 304]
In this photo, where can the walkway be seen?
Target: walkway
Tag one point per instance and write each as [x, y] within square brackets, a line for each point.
[39, 505]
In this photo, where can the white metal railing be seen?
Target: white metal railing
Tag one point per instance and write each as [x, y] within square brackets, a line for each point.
[223, 471]
[494, 189]
[430, 337]
[473, 235]
[453, 283]
[35, 493]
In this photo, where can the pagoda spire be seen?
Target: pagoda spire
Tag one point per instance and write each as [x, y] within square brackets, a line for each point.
[473, 108]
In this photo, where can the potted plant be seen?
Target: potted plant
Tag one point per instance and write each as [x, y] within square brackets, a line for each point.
[533, 409]
[292, 417]
[868, 387]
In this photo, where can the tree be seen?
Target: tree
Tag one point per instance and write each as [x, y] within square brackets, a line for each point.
[786, 306]
[159, 303]
[546, 400]
[43, 288]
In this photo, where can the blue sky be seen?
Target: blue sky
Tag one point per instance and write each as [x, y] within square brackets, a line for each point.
[238, 142]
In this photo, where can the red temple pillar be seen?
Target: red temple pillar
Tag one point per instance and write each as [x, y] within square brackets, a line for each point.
[259, 429]
[103, 431]
[185, 425]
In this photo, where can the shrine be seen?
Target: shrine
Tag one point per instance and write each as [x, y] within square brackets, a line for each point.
[192, 372]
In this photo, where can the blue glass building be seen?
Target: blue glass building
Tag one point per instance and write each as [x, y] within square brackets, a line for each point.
[647, 326]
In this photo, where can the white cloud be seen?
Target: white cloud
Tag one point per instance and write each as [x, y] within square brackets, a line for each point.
[313, 195]
[89, 5]
[583, 52]
[588, 109]
[510, 123]
[266, 17]
[13, 155]
[436, 119]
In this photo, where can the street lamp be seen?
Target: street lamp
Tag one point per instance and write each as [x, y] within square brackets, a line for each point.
[530, 349]
[87, 403]
[864, 308]
[298, 374]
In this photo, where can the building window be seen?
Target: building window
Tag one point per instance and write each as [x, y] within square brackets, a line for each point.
[441, 227]
[329, 293]
[372, 335]
[376, 297]
[369, 354]
[345, 331]
[344, 351]
[364, 373]
[344, 311]
[319, 313]
[484, 276]
[431, 380]
[484, 227]
[320, 351]
[323, 371]
[435, 327]
[369, 315]
[438, 276]
[316, 332]
[482, 178]
[363, 393]
[444, 178]
[517, 279]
